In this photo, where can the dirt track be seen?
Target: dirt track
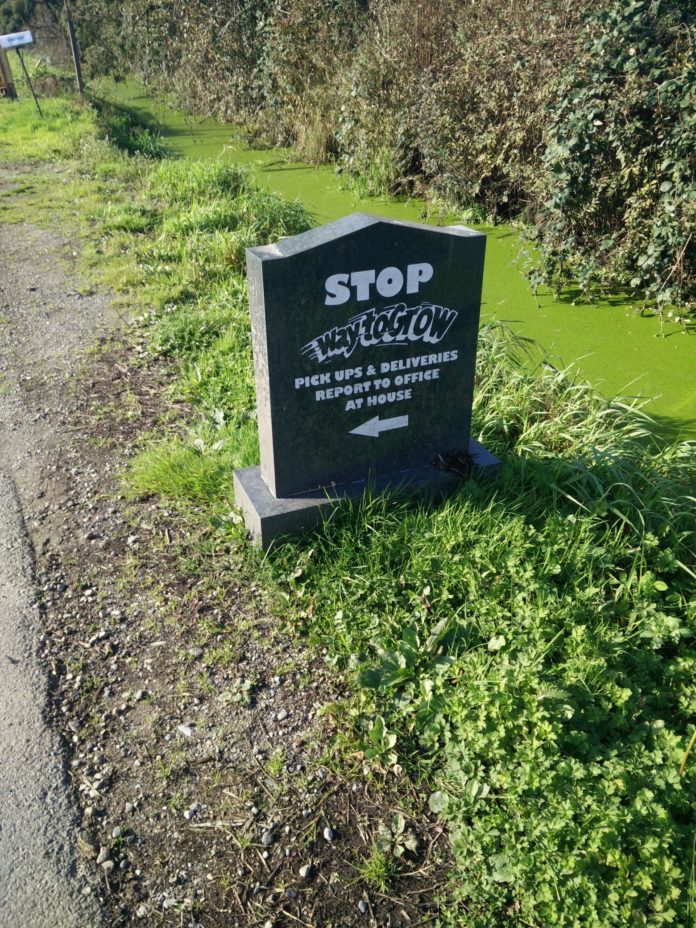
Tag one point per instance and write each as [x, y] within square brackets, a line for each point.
[45, 329]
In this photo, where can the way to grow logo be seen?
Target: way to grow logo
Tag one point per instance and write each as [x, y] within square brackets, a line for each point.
[395, 325]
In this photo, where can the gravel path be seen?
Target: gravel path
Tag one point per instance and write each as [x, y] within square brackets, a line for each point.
[45, 328]
[38, 885]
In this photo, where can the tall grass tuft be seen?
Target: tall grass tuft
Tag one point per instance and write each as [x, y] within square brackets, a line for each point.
[204, 215]
[182, 183]
[128, 131]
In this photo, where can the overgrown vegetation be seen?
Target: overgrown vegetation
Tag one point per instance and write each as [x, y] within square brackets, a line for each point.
[619, 162]
[524, 650]
[577, 117]
[127, 132]
[64, 124]
[15, 14]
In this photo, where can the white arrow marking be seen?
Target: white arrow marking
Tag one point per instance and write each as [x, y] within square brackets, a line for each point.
[373, 427]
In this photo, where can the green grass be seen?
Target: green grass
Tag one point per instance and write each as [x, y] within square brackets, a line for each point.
[376, 177]
[532, 653]
[68, 125]
[524, 650]
[27, 137]
[527, 642]
[379, 870]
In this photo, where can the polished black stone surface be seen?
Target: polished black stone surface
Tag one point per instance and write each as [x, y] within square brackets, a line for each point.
[364, 334]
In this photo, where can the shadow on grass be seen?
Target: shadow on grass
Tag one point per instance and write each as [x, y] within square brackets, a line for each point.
[670, 429]
[130, 129]
[529, 632]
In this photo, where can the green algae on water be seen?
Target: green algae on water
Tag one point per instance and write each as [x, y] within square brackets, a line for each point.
[619, 351]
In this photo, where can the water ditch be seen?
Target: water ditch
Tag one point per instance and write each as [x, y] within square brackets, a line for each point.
[608, 342]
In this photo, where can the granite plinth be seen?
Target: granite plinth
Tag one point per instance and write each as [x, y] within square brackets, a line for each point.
[268, 517]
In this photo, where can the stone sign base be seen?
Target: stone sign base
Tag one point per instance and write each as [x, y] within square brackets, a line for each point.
[267, 517]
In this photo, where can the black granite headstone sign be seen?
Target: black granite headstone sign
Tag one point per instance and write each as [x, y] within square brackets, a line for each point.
[364, 333]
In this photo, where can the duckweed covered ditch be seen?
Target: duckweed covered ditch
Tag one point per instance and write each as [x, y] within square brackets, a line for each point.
[607, 342]
[524, 651]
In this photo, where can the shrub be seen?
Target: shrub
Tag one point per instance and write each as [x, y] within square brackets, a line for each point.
[377, 132]
[619, 163]
[514, 107]
[306, 50]
[482, 115]
[14, 14]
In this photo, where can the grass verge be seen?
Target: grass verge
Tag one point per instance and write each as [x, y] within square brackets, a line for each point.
[524, 651]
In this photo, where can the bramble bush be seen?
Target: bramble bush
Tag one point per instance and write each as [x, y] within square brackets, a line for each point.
[619, 162]
[577, 117]
[449, 98]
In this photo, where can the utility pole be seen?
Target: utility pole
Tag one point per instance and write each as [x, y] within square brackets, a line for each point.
[75, 49]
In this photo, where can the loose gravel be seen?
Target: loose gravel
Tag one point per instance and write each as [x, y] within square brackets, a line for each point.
[43, 321]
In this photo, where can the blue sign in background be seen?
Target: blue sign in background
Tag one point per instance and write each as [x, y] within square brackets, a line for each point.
[16, 39]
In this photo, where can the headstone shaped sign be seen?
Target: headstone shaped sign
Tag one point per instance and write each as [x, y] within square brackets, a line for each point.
[364, 335]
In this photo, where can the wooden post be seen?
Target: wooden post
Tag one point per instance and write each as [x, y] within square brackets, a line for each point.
[75, 49]
[7, 87]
